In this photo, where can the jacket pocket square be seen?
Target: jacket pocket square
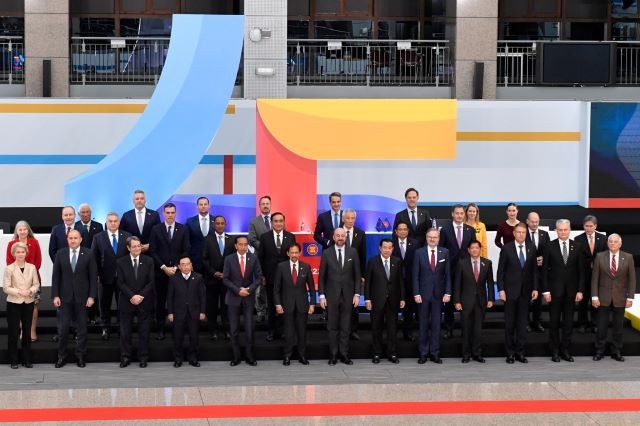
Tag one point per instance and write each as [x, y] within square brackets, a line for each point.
[441, 260]
[349, 260]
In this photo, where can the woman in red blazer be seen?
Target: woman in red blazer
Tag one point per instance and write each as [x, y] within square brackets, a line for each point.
[24, 234]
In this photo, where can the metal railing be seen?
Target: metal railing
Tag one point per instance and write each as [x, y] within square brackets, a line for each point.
[369, 62]
[11, 60]
[517, 63]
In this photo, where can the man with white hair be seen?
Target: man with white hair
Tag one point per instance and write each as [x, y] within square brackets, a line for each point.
[562, 288]
[357, 240]
[613, 286]
[91, 226]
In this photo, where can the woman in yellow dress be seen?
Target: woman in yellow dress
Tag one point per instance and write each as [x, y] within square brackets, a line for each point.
[472, 218]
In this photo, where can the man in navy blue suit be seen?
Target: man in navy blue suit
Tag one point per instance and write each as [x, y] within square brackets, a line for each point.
[60, 231]
[431, 287]
[139, 221]
[199, 226]
[91, 226]
[455, 236]
[328, 221]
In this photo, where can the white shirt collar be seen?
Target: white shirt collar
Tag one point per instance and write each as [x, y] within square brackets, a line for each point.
[219, 235]
[291, 265]
[383, 259]
[134, 258]
[143, 210]
[186, 277]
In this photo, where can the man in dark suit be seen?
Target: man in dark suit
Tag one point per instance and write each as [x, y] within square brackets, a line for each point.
[241, 275]
[562, 287]
[455, 236]
[139, 221]
[431, 288]
[613, 287]
[186, 305]
[168, 242]
[109, 246]
[518, 286]
[339, 282]
[60, 232]
[592, 243]
[293, 289]
[258, 226]
[74, 288]
[135, 279]
[540, 239]
[405, 248]
[418, 218]
[357, 240]
[472, 284]
[216, 247]
[92, 227]
[328, 221]
[199, 227]
[384, 293]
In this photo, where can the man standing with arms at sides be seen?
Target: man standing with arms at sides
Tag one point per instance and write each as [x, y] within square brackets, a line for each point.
[186, 305]
[357, 240]
[139, 221]
[473, 282]
[328, 221]
[295, 299]
[135, 281]
[169, 241]
[562, 287]
[540, 239]
[613, 287]
[431, 288]
[91, 226]
[339, 282]
[109, 246]
[418, 218]
[274, 246]
[384, 294]
[74, 288]
[455, 236]
[518, 286]
[405, 248]
[217, 246]
[592, 243]
[241, 275]
[199, 227]
[258, 226]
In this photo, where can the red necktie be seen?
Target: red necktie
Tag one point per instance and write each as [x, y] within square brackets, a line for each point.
[68, 230]
[433, 260]
[476, 271]
[294, 274]
[242, 265]
[613, 266]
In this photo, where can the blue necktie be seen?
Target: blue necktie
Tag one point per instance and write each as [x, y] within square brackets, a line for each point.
[413, 220]
[266, 223]
[114, 243]
[220, 244]
[336, 222]
[522, 261]
[74, 261]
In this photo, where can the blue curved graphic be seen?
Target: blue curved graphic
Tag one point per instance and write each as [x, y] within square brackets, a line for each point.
[178, 124]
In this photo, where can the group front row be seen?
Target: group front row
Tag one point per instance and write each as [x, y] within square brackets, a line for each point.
[469, 288]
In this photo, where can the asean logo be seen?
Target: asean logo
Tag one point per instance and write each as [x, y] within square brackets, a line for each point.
[311, 249]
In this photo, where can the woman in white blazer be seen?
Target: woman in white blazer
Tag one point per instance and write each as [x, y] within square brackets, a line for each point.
[21, 284]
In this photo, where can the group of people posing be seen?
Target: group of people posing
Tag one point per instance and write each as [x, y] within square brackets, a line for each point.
[164, 271]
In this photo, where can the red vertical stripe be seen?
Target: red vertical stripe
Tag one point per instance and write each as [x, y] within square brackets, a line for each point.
[228, 174]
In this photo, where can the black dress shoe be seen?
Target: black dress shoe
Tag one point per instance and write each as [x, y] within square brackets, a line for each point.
[234, 362]
[177, 364]
[567, 357]
[124, 362]
[555, 358]
[409, 337]
[269, 337]
[354, 336]
[302, 360]
[582, 329]
[227, 335]
[479, 359]
[529, 329]
[214, 337]
[521, 358]
[14, 365]
[447, 334]
[286, 361]
[194, 363]
[81, 363]
[346, 360]
[394, 359]
[538, 328]
[422, 359]
[160, 335]
[252, 362]
[105, 334]
[143, 364]
[60, 363]
[465, 360]
[510, 359]
[333, 361]
[375, 359]
[617, 357]
[598, 357]
[27, 364]
[55, 338]
[436, 359]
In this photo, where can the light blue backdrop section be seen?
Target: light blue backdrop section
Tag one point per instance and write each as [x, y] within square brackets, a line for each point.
[179, 123]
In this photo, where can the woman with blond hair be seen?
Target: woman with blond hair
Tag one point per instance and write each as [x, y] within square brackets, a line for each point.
[21, 284]
[24, 234]
[472, 218]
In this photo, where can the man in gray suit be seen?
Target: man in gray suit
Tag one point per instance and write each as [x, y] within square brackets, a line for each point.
[338, 285]
[258, 226]
[613, 286]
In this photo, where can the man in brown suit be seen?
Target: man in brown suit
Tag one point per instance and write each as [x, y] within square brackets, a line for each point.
[613, 285]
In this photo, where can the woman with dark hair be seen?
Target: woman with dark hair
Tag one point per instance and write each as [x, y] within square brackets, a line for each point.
[505, 229]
